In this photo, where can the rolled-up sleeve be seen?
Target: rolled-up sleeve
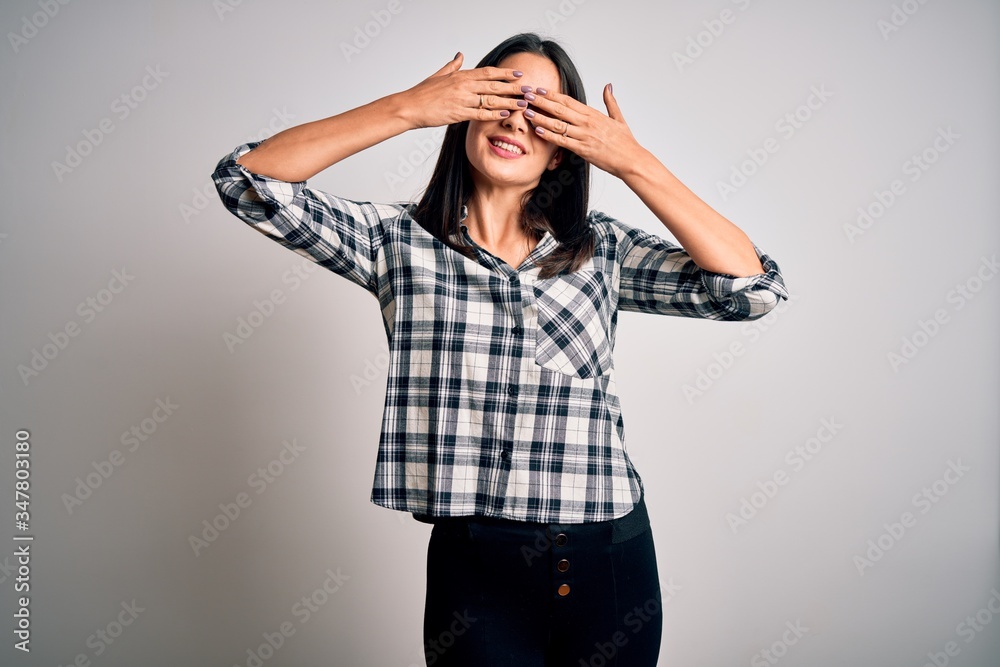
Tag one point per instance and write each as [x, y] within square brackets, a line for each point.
[339, 234]
[657, 276]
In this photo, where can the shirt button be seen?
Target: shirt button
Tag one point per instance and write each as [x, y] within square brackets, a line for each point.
[561, 540]
[512, 389]
[516, 330]
[513, 278]
[562, 565]
[564, 590]
[505, 454]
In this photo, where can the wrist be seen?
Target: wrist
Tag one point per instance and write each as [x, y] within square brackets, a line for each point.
[400, 111]
[636, 163]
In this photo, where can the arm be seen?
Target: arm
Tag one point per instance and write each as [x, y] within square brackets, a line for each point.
[339, 234]
[713, 242]
[301, 152]
[448, 96]
[264, 183]
[657, 276]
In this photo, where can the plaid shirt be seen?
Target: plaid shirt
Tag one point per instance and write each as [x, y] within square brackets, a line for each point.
[501, 397]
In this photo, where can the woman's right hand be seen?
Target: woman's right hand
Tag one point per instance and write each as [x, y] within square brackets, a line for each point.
[452, 96]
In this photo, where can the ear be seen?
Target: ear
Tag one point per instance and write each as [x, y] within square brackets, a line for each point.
[556, 159]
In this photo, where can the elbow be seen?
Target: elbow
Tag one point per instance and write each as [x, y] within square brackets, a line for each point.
[759, 303]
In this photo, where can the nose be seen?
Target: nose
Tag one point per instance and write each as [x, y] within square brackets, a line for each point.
[516, 122]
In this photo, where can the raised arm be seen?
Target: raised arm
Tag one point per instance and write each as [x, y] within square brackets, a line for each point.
[713, 242]
[447, 96]
[301, 152]
[264, 183]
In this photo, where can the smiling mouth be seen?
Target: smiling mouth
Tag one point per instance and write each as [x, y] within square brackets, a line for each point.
[504, 149]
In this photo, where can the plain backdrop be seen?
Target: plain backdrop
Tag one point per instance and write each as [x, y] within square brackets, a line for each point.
[838, 474]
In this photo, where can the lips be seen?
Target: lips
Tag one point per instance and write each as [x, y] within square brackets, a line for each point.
[510, 142]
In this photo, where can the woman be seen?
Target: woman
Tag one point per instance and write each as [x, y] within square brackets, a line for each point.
[499, 293]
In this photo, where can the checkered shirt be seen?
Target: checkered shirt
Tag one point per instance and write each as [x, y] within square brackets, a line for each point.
[501, 398]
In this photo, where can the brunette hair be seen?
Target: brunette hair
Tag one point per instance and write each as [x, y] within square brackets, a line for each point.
[558, 204]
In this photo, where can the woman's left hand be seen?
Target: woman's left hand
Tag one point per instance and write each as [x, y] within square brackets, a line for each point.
[604, 141]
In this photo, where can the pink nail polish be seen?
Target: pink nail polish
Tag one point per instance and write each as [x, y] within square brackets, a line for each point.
[541, 91]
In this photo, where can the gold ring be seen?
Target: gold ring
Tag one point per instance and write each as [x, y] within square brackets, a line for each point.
[480, 100]
[566, 132]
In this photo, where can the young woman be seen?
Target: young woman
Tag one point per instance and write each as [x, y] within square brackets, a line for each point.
[499, 292]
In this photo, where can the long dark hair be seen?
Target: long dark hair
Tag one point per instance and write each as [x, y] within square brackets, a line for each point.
[559, 202]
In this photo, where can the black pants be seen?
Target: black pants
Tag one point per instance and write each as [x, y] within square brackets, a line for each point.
[502, 593]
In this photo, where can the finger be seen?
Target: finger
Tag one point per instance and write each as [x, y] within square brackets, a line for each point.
[493, 107]
[612, 104]
[557, 108]
[452, 65]
[554, 98]
[555, 137]
[499, 73]
[491, 101]
[546, 126]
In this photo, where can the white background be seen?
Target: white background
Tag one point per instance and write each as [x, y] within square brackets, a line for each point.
[141, 201]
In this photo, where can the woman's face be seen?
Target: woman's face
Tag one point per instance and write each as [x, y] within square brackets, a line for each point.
[524, 167]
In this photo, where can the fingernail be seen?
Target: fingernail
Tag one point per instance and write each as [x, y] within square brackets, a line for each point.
[525, 89]
[457, 55]
[541, 91]
[522, 103]
[529, 97]
[504, 113]
[529, 113]
[611, 89]
[518, 73]
[540, 130]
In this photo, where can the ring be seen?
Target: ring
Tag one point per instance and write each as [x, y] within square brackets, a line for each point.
[566, 133]
[480, 100]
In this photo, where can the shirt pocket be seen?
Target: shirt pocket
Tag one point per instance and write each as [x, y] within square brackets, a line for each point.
[573, 319]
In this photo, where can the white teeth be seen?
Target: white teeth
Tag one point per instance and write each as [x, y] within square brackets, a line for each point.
[507, 147]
